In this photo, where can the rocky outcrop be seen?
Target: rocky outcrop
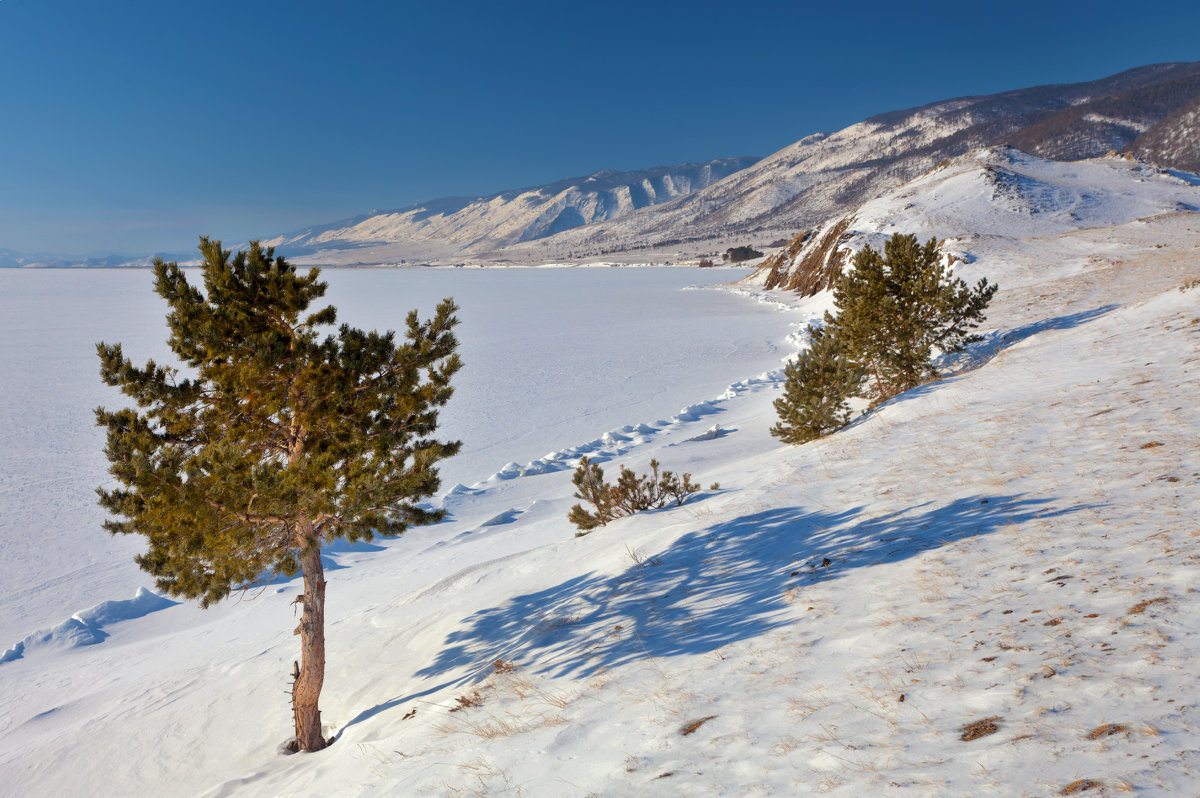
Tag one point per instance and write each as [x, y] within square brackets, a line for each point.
[811, 262]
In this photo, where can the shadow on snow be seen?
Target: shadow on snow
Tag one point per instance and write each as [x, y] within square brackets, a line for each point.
[711, 588]
[978, 355]
[996, 342]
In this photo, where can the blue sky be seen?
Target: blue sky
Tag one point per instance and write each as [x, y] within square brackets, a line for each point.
[137, 125]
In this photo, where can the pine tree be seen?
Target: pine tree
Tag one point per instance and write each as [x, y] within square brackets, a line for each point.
[816, 386]
[591, 487]
[895, 308]
[276, 442]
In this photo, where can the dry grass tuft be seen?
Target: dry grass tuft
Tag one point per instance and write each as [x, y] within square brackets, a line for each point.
[980, 728]
[503, 666]
[1107, 730]
[1141, 606]
[1079, 785]
[692, 725]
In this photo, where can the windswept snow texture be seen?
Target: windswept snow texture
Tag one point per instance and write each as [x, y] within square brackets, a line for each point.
[86, 627]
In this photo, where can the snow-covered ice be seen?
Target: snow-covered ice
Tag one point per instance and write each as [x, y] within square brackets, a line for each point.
[552, 359]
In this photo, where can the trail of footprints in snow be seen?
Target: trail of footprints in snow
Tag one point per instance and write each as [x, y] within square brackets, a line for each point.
[617, 442]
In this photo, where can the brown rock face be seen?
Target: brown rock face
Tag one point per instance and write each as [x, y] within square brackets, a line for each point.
[812, 261]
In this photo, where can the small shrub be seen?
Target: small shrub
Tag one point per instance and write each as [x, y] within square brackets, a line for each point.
[590, 486]
[469, 701]
[739, 254]
[816, 387]
[899, 306]
[631, 494]
[706, 263]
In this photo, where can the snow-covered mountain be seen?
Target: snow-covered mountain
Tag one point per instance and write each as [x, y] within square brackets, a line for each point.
[668, 213]
[11, 259]
[988, 194]
[828, 174]
[458, 226]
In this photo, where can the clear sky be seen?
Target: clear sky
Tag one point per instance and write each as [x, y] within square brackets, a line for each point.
[137, 125]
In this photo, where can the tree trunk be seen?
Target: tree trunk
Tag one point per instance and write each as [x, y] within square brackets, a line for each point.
[307, 688]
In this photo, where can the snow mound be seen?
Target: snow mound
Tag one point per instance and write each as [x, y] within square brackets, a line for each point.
[86, 627]
[710, 434]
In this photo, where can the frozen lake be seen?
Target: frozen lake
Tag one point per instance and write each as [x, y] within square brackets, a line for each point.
[552, 358]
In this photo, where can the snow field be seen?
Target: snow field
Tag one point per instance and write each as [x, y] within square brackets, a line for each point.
[513, 398]
[1015, 547]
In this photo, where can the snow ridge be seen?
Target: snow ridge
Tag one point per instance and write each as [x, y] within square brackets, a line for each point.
[86, 627]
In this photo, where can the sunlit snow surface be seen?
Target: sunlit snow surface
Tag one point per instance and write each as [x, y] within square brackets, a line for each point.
[553, 359]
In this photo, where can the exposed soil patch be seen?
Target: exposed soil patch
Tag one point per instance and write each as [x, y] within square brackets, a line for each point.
[817, 261]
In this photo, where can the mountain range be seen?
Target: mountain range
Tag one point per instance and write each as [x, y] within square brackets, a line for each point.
[457, 226]
[682, 212]
[1151, 112]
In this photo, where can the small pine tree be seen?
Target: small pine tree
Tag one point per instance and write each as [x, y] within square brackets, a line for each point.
[895, 308]
[591, 487]
[739, 254]
[281, 441]
[816, 386]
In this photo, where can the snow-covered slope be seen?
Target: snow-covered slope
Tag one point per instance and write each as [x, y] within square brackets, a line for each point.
[985, 195]
[459, 226]
[984, 586]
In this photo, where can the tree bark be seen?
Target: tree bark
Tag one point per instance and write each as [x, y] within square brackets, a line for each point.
[307, 688]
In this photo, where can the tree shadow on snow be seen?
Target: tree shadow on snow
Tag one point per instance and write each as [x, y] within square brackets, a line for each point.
[711, 588]
[996, 342]
[979, 354]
